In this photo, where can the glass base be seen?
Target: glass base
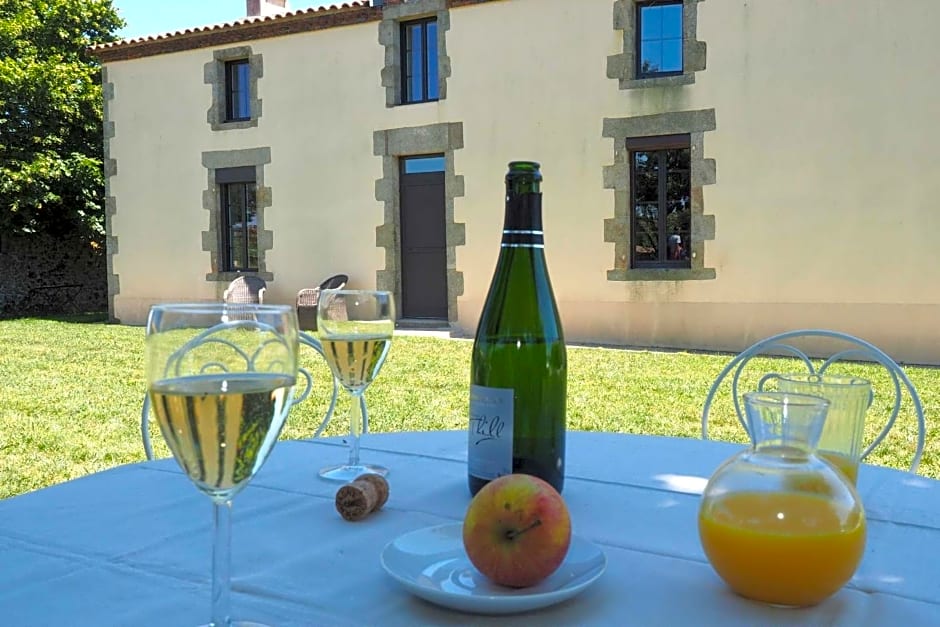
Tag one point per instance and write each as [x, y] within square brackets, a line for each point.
[346, 473]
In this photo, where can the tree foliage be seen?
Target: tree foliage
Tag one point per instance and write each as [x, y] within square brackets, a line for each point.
[51, 176]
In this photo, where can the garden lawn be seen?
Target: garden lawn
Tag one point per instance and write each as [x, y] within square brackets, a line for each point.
[71, 392]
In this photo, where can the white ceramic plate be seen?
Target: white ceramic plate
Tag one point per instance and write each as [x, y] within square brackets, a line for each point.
[432, 564]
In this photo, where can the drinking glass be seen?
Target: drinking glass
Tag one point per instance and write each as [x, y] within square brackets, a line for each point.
[221, 382]
[355, 329]
[849, 398]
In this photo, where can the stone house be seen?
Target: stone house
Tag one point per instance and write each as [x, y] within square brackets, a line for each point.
[715, 170]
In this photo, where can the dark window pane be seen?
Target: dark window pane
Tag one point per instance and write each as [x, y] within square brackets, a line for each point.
[646, 211]
[240, 217]
[417, 63]
[230, 90]
[251, 227]
[237, 81]
[678, 216]
[643, 161]
[677, 246]
[431, 47]
[236, 206]
[678, 159]
[236, 221]
[238, 245]
[647, 186]
[677, 186]
[243, 110]
[418, 165]
[406, 63]
[662, 207]
[415, 84]
[679, 207]
[646, 235]
[644, 253]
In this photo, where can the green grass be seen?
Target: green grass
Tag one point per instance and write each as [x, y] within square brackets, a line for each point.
[71, 391]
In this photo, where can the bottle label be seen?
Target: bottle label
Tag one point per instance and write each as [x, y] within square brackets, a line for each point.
[489, 452]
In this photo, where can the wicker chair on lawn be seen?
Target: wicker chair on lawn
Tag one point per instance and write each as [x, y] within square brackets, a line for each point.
[246, 289]
[308, 299]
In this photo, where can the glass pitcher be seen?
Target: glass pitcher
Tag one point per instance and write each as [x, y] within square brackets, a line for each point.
[778, 524]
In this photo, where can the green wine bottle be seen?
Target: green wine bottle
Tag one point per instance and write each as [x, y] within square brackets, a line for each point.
[518, 370]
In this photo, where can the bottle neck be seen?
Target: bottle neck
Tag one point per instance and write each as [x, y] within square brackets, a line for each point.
[522, 226]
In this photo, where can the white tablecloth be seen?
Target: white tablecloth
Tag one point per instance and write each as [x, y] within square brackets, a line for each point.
[131, 545]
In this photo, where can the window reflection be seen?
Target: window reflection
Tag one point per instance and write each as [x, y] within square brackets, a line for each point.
[431, 48]
[240, 235]
[419, 165]
[659, 28]
[237, 81]
[419, 61]
[415, 60]
[661, 226]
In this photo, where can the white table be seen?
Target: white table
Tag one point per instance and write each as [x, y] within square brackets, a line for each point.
[131, 545]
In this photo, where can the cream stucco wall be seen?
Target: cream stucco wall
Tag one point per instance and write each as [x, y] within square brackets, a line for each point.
[823, 144]
[317, 122]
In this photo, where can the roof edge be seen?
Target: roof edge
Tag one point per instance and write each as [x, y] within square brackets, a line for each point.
[250, 28]
[247, 29]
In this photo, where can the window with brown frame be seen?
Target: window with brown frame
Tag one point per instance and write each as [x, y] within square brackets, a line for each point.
[661, 201]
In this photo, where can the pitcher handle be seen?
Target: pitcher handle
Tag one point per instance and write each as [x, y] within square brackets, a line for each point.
[767, 377]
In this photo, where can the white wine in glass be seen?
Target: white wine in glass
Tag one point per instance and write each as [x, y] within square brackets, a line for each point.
[221, 386]
[355, 328]
[217, 425]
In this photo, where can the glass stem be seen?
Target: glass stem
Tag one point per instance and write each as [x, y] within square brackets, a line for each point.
[221, 564]
[356, 412]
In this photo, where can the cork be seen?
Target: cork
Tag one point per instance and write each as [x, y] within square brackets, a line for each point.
[381, 487]
[366, 494]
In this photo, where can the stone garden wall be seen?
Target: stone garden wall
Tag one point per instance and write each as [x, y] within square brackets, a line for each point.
[45, 274]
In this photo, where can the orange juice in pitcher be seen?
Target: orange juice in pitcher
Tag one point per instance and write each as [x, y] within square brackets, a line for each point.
[778, 524]
[788, 548]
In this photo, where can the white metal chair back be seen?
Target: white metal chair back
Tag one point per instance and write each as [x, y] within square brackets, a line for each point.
[850, 349]
[305, 340]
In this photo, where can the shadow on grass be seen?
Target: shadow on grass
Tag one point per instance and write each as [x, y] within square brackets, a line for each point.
[90, 317]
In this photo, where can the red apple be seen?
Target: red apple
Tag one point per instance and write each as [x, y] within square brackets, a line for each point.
[517, 530]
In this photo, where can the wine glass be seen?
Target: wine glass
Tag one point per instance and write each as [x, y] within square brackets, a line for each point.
[355, 329]
[221, 382]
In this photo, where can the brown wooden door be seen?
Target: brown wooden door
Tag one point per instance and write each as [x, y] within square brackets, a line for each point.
[423, 241]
